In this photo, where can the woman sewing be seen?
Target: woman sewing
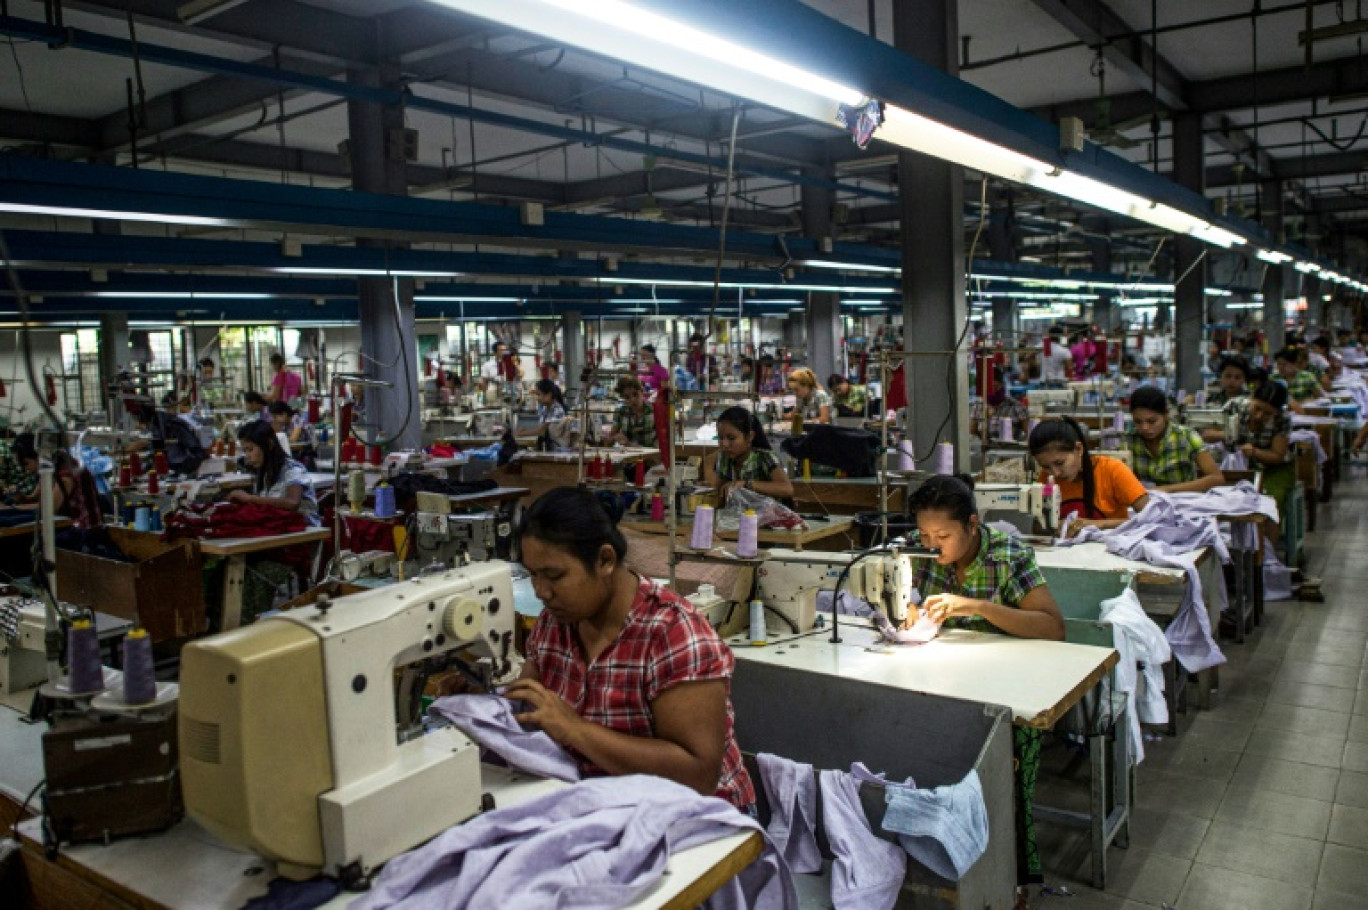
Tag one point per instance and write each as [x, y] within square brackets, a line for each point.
[620, 671]
[1167, 455]
[634, 421]
[810, 399]
[988, 581]
[1234, 377]
[1100, 491]
[1264, 439]
[745, 459]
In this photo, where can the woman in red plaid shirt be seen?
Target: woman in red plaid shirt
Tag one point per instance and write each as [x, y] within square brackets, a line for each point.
[620, 671]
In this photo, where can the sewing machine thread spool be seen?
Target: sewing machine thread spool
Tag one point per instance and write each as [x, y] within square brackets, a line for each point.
[758, 635]
[162, 466]
[702, 535]
[313, 410]
[1005, 429]
[906, 460]
[657, 507]
[807, 470]
[135, 464]
[156, 519]
[384, 501]
[139, 681]
[376, 456]
[944, 460]
[356, 489]
[1200, 399]
[639, 474]
[142, 519]
[125, 475]
[747, 536]
[1119, 421]
[85, 674]
[128, 513]
[153, 484]
[1035, 422]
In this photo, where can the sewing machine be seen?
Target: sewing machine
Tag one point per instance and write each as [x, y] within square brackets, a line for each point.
[454, 540]
[1042, 402]
[789, 581]
[22, 661]
[402, 462]
[1021, 498]
[1201, 419]
[289, 739]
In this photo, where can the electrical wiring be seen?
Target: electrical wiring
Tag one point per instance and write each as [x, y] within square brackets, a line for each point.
[722, 230]
[26, 333]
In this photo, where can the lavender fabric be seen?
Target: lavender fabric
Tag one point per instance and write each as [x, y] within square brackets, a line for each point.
[1168, 532]
[945, 829]
[489, 721]
[1312, 437]
[868, 872]
[791, 790]
[601, 843]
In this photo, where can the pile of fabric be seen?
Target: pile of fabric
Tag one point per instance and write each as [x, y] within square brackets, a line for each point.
[221, 520]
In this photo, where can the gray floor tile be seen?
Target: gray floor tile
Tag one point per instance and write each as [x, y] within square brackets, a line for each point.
[1318, 674]
[1141, 875]
[1295, 860]
[1310, 695]
[1278, 812]
[1355, 757]
[1333, 900]
[1358, 729]
[1256, 772]
[1349, 827]
[1326, 751]
[1339, 638]
[1214, 888]
[1301, 719]
[1344, 869]
[1325, 654]
[1232, 710]
[1165, 791]
[1194, 761]
[1211, 730]
[1168, 832]
[1352, 789]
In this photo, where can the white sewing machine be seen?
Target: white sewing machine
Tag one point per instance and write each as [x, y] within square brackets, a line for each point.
[1214, 418]
[289, 741]
[1041, 402]
[1022, 498]
[789, 581]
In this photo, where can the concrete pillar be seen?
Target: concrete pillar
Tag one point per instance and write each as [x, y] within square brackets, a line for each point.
[931, 197]
[572, 326]
[1190, 296]
[1001, 232]
[1104, 308]
[113, 354]
[388, 335]
[1005, 322]
[823, 315]
[1275, 281]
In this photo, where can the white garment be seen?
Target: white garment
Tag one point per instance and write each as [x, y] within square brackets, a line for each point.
[1144, 650]
[1057, 366]
[490, 369]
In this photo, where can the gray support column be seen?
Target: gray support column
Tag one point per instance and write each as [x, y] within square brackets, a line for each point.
[1002, 248]
[823, 316]
[1005, 322]
[1188, 264]
[113, 352]
[1275, 281]
[572, 325]
[388, 335]
[1104, 309]
[931, 196]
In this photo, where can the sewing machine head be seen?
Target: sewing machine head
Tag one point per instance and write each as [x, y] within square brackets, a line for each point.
[1040, 402]
[289, 739]
[1031, 499]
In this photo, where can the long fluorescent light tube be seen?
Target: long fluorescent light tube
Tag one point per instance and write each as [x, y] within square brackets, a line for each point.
[850, 266]
[1307, 267]
[177, 295]
[62, 211]
[468, 299]
[624, 31]
[378, 273]
[196, 11]
[1273, 256]
[743, 285]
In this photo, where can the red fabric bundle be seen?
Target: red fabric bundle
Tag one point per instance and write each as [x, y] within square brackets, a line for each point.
[230, 519]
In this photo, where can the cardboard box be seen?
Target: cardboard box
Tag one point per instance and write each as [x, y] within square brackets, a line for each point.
[162, 588]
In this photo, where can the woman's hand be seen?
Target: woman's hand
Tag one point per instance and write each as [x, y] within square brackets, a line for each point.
[725, 490]
[1078, 524]
[548, 711]
[1248, 450]
[941, 607]
[242, 497]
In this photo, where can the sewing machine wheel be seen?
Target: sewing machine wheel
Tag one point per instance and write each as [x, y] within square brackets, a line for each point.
[462, 618]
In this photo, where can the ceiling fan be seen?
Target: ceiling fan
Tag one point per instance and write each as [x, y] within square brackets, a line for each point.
[1103, 131]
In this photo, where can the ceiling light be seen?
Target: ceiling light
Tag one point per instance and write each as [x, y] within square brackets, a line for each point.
[743, 285]
[62, 211]
[378, 273]
[468, 299]
[1308, 268]
[196, 11]
[1273, 256]
[177, 295]
[850, 266]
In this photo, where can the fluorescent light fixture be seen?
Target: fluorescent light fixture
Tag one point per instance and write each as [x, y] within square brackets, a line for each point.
[62, 211]
[468, 299]
[177, 295]
[626, 32]
[377, 273]
[196, 11]
[1308, 268]
[850, 266]
[743, 285]
[1251, 305]
[1218, 292]
[1273, 256]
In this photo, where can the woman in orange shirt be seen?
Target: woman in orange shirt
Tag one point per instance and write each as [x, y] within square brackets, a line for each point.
[1099, 490]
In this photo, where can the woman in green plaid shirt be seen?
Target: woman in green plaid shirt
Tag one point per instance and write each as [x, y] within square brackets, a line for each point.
[986, 579]
[1301, 384]
[745, 459]
[633, 423]
[1167, 455]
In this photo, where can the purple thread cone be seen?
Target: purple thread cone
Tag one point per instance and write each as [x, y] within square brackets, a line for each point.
[139, 681]
[83, 657]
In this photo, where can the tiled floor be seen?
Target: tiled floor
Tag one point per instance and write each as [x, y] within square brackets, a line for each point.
[1262, 801]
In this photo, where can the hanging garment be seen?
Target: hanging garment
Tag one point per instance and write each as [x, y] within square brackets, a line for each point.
[791, 790]
[601, 843]
[867, 873]
[1139, 642]
[945, 829]
[489, 721]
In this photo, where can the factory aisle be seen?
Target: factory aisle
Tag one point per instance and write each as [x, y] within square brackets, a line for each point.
[1262, 803]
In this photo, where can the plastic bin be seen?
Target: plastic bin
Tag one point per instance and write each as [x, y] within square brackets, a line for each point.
[831, 723]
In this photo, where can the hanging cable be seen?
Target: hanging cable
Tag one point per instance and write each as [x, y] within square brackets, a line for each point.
[722, 236]
[26, 335]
